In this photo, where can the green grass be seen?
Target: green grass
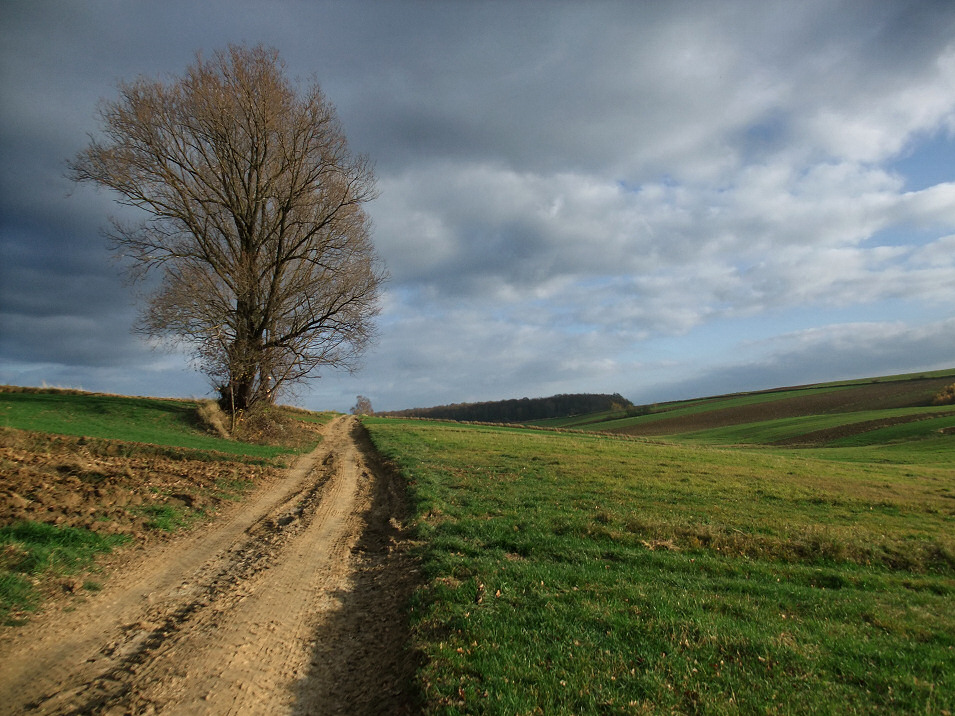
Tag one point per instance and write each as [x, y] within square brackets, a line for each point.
[928, 428]
[589, 419]
[30, 550]
[143, 420]
[573, 573]
[168, 518]
[307, 416]
[721, 403]
[943, 373]
[914, 455]
[233, 489]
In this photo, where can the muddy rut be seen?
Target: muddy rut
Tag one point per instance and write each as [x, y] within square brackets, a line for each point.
[291, 603]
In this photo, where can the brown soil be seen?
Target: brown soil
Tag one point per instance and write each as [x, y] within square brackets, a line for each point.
[291, 601]
[874, 396]
[96, 484]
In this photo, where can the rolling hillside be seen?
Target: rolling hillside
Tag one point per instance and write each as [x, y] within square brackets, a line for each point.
[812, 415]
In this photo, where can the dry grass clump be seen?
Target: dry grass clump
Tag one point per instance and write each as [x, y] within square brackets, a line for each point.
[266, 425]
[273, 425]
[262, 425]
[946, 396]
[212, 418]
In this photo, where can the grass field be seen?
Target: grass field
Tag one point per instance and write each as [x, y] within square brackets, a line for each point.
[574, 573]
[32, 550]
[171, 423]
[872, 427]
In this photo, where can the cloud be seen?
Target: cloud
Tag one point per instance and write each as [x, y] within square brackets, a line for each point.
[663, 255]
[578, 197]
[641, 92]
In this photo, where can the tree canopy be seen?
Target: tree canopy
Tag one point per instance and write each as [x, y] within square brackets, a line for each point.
[254, 220]
[362, 406]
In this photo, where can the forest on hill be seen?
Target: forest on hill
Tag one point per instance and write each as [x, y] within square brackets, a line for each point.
[518, 410]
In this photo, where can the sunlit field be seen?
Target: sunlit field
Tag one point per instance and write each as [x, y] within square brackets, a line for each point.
[573, 573]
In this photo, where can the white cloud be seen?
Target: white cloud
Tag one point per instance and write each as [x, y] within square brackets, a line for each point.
[877, 123]
[661, 258]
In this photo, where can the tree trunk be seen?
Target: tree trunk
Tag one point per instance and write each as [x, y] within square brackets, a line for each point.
[245, 356]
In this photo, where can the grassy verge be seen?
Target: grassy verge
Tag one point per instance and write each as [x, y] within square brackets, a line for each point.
[169, 518]
[171, 423]
[583, 574]
[32, 551]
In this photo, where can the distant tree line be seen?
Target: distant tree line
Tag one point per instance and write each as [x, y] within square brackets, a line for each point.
[522, 409]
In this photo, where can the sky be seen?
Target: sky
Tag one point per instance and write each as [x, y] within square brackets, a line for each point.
[663, 200]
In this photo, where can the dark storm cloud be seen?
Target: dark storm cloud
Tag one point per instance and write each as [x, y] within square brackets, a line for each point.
[61, 296]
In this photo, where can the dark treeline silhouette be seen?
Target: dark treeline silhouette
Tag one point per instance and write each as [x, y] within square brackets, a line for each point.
[520, 410]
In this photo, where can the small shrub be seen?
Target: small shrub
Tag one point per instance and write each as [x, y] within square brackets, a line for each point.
[946, 396]
[263, 424]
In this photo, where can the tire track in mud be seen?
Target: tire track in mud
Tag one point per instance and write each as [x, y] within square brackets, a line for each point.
[255, 615]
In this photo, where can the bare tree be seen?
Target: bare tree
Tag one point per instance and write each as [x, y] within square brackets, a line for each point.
[255, 220]
[362, 406]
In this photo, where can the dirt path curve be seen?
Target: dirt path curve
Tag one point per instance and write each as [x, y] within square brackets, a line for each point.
[292, 603]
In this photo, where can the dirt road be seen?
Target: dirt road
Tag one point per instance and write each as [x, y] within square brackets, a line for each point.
[290, 603]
